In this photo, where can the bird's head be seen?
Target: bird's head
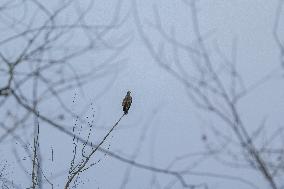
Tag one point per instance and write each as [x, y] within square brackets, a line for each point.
[128, 92]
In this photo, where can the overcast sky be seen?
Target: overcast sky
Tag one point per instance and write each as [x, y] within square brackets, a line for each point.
[162, 123]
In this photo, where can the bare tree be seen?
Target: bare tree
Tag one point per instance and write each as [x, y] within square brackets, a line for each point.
[217, 87]
[84, 162]
[41, 61]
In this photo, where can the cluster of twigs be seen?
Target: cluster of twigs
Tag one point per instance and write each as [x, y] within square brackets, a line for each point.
[218, 88]
[85, 157]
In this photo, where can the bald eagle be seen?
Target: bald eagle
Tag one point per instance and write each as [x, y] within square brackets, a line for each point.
[126, 103]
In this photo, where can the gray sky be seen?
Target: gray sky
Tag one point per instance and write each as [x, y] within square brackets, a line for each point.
[162, 111]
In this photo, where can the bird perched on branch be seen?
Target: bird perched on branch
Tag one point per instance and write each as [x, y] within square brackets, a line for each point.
[126, 103]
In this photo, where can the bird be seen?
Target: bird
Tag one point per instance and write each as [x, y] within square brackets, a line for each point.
[126, 103]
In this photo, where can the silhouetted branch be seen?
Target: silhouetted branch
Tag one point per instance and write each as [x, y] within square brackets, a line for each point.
[82, 166]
